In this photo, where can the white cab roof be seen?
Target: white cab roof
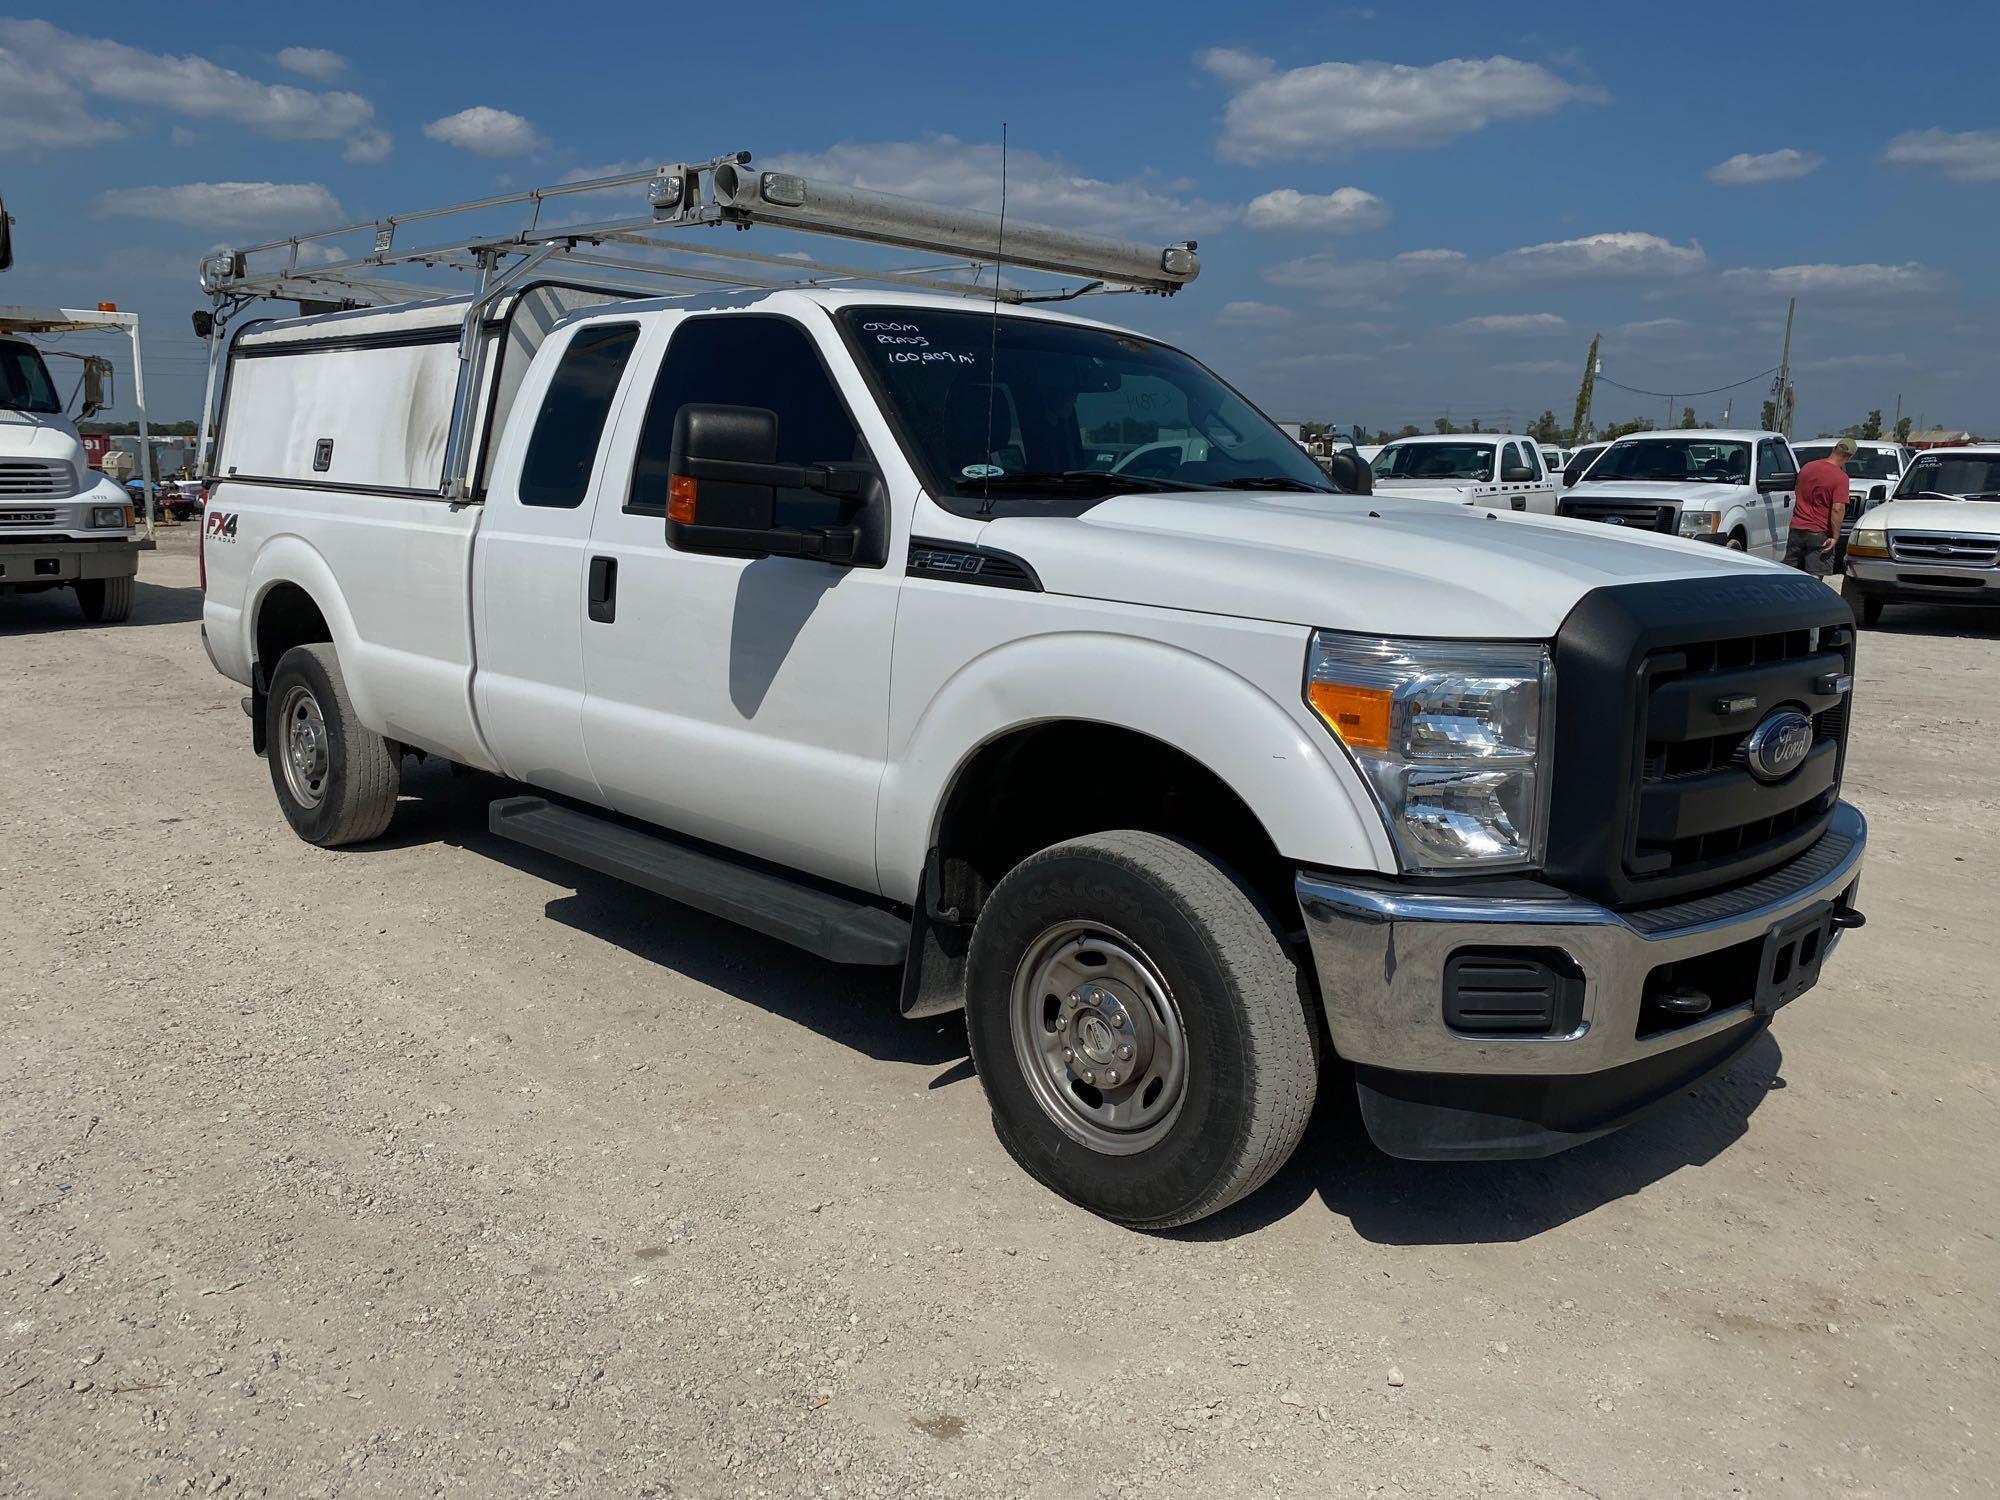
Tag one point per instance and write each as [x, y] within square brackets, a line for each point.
[1700, 435]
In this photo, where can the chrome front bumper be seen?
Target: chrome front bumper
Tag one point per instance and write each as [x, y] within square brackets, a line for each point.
[1941, 582]
[1380, 950]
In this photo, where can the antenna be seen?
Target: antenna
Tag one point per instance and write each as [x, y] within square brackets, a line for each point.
[993, 344]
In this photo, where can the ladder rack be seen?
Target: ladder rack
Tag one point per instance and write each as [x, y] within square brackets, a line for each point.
[630, 253]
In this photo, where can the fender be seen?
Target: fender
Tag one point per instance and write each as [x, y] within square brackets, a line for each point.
[288, 557]
[1291, 776]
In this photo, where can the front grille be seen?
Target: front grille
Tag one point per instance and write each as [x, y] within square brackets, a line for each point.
[1659, 688]
[19, 518]
[36, 478]
[1699, 806]
[1930, 547]
[1640, 513]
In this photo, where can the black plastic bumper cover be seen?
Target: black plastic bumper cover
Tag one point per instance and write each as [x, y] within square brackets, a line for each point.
[1487, 1117]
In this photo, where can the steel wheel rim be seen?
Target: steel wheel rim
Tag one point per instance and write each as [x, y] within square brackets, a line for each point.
[303, 748]
[1099, 1038]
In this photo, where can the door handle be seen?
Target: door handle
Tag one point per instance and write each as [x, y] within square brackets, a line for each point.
[604, 589]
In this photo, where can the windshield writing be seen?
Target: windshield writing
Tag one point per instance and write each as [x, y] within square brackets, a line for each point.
[1970, 476]
[1030, 407]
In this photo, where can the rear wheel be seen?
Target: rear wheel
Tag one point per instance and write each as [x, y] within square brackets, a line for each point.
[1144, 1040]
[335, 779]
[106, 601]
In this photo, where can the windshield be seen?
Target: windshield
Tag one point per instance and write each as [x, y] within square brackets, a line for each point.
[1970, 476]
[1867, 463]
[1434, 461]
[24, 380]
[1674, 460]
[1067, 409]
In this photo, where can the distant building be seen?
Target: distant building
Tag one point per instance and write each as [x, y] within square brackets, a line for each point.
[1938, 437]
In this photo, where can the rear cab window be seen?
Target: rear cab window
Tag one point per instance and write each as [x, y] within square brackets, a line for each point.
[562, 451]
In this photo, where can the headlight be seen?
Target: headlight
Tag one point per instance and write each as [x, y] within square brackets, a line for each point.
[1449, 735]
[1868, 541]
[109, 515]
[1699, 522]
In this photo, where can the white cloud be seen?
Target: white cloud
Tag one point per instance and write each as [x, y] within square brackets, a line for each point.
[1337, 106]
[1864, 279]
[486, 131]
[1513, 323]
[1339, 212]
[184, 85]
[180, 135]
[1627, 255]
[315, 63]
[369, 147]
[1597, 256]
[1862, 362]
[1968, 155]
[227, 205]
[39, 110]
[1746, 170]
[1652, 326]
[1042, 189]
[1252, 315]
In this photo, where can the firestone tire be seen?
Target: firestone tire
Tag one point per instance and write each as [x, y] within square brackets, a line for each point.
[336, 780]
[1148, 956]
[106, 601]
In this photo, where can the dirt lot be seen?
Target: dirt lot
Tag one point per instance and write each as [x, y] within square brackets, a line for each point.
[440, 1168]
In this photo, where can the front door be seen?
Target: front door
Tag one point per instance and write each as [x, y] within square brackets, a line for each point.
[742, 701]
[1773, 508]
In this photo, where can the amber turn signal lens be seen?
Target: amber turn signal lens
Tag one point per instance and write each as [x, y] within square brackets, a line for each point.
[1859, 548]
[680, 499]
[1360, 716]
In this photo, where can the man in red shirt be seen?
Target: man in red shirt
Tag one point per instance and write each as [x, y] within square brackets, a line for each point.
[1818, 501]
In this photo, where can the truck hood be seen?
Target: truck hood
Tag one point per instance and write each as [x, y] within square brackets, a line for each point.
[1688, 494]
[27, 434]
[1959, 517]
[1377, 563]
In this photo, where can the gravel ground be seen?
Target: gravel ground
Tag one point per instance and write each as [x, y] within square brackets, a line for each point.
[438, 1167]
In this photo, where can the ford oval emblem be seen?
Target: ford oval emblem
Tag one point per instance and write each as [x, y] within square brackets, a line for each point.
[1778, 746]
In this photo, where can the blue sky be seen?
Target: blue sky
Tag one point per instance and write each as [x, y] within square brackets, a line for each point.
[1402, 209]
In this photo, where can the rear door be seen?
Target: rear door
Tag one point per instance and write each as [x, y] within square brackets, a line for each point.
[743, 701]
[1539, 492]
[531, 575]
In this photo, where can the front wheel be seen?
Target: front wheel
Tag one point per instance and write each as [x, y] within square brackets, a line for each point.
[106, 601]
[1871, 609]
[335, 778]
[1736, 542]
[1144, 1040]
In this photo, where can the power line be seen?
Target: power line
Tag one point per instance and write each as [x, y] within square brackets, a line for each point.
[1670, 395]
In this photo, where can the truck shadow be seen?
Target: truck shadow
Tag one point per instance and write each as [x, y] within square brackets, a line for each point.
[1929, 620]
[56, 609]
[1392, 1202]
[852, 1006]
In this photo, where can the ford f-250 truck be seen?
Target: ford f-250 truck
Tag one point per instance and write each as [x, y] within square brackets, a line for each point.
[798, 606]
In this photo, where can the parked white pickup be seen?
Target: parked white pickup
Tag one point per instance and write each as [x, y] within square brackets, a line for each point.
[1731, 488]
[805, 609]
[1497, 469]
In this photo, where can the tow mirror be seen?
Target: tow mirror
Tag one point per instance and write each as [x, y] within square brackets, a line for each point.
[96, 386]
[1517, 474]
[6, 239]
[1351, 472]
[723, 483]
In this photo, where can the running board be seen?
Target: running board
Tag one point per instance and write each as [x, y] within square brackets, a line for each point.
[843, 929]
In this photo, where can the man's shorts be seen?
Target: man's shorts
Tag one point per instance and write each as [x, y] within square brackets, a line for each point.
[1802, 552]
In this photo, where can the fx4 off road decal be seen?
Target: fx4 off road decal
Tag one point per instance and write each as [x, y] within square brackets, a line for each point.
[220, 526]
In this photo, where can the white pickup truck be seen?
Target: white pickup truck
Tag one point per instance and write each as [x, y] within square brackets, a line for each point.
[798, 607]
[1497, 469]
[1731, 488]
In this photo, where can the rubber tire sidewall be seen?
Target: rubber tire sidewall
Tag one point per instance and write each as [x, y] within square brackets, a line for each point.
[1187, 1174]
[340, 817]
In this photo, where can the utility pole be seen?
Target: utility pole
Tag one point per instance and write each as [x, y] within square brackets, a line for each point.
[1784, 404]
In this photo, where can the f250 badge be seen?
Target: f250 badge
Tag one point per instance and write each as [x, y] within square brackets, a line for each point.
[1778, 746]
[220, 526]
